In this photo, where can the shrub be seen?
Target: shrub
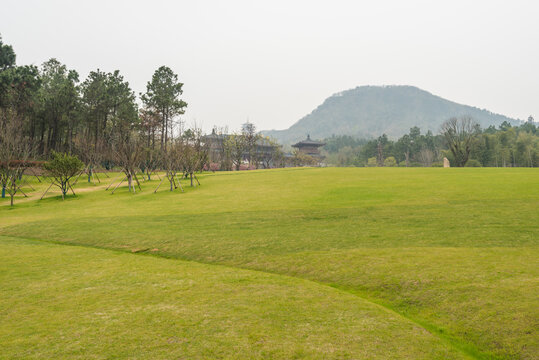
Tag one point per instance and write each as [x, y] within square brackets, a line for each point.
[63, 167]
[473, 163]
[390, 161]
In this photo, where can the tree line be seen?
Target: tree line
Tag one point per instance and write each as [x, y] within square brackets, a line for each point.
[48, 110]
[460, 140]
[58, 112]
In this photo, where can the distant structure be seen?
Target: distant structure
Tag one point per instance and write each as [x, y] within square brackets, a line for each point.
[215, 145]
[446, 163]
[310, 147]
[264, 148]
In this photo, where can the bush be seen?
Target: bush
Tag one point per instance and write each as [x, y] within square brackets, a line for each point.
[371, 162]
[390, 161]
[63, 167]
[473, 163]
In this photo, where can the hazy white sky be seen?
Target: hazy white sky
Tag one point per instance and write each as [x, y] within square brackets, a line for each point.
[273, 62]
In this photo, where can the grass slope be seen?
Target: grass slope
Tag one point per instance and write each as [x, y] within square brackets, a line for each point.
[455, 250]
[80, 303]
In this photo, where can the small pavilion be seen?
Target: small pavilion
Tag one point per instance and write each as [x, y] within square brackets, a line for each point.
[310, 147]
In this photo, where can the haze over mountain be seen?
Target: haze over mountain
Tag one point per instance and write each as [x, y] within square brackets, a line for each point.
[370, 111]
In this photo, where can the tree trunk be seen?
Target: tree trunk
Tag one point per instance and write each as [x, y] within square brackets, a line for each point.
[64, 189]
[41, 137]
[130, 182]
[49, 140]
[162, 130]
[70, 139]
[32, 129]
[13, 190]
[54, 137]
[380, 155]
[407, 156]
[96, 132]
[166, 131]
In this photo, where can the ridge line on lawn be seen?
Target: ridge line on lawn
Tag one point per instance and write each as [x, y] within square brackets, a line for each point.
[465, 349]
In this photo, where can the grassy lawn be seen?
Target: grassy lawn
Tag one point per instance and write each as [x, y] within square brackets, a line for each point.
[455, 252]
[73, 302]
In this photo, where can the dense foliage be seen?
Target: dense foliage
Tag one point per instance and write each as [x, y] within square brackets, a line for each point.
[59, 112]
[503, 146]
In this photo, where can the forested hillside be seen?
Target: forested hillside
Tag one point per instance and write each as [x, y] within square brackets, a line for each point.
[370, 111]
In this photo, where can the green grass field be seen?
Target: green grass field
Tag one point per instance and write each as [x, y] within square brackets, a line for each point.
[290, 263]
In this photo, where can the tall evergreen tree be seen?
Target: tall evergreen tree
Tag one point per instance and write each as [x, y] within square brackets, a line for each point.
[59, 99]
[163, 97]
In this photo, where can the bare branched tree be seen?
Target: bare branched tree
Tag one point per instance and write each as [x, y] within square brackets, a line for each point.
[91, 152]
[15, 150]
[171, 162]
[128, 154]
[195, 154]
[460, 134]
[150, 161]
[235, 146]
[426, 157]
[271, 154]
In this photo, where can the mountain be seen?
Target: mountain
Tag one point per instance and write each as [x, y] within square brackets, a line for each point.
[370, 111]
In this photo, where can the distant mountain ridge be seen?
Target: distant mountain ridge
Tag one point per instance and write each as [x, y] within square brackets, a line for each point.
[370, 111]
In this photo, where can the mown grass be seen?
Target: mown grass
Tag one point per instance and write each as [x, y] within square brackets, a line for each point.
[455, 250]
[82, 303]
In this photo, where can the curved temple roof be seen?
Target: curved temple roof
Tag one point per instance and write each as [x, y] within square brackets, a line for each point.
[308, 142]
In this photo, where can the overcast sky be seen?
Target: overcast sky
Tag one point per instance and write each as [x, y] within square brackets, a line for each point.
[273, 62]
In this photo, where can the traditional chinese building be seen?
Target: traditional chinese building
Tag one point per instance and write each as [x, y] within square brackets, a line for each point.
[310, 147]
[264, 150]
